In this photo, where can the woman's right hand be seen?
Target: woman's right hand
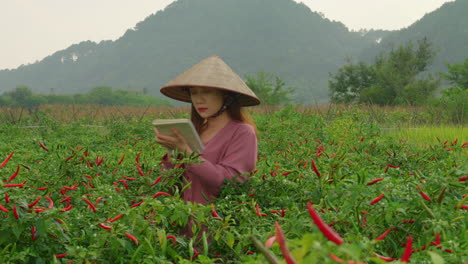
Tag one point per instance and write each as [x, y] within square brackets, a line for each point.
[176, 142]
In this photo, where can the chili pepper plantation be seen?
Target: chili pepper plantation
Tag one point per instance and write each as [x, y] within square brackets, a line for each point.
[330, 187]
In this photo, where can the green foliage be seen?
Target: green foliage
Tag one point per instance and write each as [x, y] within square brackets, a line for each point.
[23, 97]
[394, 78]
[454, 99]
[270, 89]
[458, 74]
[114, 164]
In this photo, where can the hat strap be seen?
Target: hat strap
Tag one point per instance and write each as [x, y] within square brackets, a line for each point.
[231, 98]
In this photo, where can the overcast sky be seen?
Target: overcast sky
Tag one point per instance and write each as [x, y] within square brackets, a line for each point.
[33, 29]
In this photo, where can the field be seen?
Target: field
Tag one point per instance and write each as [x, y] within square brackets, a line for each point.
[332, 185]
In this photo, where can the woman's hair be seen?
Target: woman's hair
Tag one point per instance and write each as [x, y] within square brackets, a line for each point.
[234, 110]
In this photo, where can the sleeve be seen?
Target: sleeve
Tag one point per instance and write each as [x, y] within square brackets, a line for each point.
[240, 158]
[166, 164]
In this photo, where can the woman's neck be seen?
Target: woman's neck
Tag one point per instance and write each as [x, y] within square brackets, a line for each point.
[218, 122]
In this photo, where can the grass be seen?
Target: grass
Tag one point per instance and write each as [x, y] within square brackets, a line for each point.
[429, 135]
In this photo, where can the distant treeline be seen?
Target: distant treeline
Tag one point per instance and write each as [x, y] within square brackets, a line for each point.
[22, 96]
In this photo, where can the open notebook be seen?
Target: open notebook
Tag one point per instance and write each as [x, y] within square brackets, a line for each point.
[186, 129]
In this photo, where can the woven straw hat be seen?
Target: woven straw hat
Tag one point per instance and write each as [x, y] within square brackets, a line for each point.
[211, 72]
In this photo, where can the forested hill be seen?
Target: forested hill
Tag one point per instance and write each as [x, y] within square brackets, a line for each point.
[277, 36]
[446, 28]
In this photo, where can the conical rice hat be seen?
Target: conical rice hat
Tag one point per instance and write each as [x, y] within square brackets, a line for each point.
[211, 72]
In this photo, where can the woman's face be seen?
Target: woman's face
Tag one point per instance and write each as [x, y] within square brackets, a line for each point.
[206, 101]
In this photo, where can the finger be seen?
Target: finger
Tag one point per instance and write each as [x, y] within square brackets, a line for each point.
[178, 135]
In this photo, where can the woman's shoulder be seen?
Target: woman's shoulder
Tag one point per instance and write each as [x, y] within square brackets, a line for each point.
[242, 128]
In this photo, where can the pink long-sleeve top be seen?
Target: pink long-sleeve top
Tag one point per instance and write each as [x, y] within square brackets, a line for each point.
[230, 153]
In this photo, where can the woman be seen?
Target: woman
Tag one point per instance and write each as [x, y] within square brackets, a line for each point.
[218, 96]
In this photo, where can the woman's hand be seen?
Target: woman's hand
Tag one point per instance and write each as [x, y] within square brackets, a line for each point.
[173, 142]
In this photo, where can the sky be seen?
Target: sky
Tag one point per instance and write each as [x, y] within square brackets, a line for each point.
[31, 30]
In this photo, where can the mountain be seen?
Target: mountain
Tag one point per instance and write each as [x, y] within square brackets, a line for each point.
[446, 28]
[277, 36]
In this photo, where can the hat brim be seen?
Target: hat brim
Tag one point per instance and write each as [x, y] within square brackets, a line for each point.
[211, 72]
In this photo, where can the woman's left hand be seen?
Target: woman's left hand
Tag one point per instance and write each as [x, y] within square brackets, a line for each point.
[173, 142]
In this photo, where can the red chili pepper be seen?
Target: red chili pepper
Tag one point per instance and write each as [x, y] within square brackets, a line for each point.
[464, 207]
[424, 195]
[257, 211]
[437, 241]
[161, 193]
[7, 198]
[140, 171]
[105, 226]
[335, 258]
[156, 181]
[90, 204]
[99, 161]
[324, 228]
[213, 212]
[35, 202]
[314, 167]
[68, 198]
[270, 241]
[13, 176]
[43, 146]
[4, 209]
[20, 185]
[71, 188]
[391, 166]
[68, 208]
[118, 190]
[61, 255]
[110, 220]
[42, 188]
[174, 240]
[70, 157]
[129, 178]
[99, 199]
[376, 200]
[408, 250]
[137, 158]
[382, 236]
[4, 163]
[387, 259]
[15, 212]
[464, 178]
[132, 238]
[33, 233]
[137, 204]
[374, 181]
[284, 249]
[51, 203]
[121, 159]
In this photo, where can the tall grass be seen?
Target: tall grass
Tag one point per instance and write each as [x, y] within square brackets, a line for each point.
[430, 135]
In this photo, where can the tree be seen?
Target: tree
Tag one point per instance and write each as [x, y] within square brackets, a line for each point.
[101, 95]
[23, 97]
[350, 81]
[394, 78]
[458, 74]
[270, 89]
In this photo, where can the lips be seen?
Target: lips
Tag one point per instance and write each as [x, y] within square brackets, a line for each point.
[202, 109]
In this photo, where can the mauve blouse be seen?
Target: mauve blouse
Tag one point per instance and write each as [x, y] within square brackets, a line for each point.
[230, 153]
